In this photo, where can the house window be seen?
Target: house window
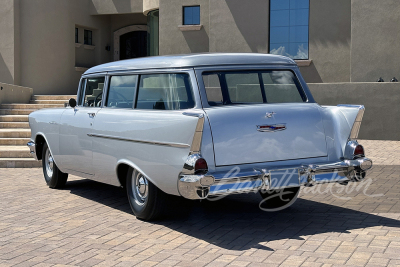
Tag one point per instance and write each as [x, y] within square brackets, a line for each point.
[88, 37]
[76, 35]
[289, 28]
[191, 15]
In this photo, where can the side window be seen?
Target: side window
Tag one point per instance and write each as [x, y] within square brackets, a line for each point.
[92, 94]
[213, 89]
[244, 88]
[165, 92]
[121, 91]
[281, 87]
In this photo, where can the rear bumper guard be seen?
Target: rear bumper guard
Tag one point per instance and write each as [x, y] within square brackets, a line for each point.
[202, 186]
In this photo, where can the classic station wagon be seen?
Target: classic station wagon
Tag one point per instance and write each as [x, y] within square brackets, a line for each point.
[199, 126]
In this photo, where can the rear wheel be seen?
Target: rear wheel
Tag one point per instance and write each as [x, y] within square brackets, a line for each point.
[146, 200]
[278, 199]
[53, 176]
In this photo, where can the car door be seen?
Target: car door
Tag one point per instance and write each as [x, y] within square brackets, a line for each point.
[76, 125]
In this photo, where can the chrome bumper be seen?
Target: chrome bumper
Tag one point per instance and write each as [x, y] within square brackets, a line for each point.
[202, 186]
[32, 148]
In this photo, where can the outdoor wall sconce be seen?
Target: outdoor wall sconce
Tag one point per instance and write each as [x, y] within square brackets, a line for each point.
[394, 80]
[108, 48]
[380, 80]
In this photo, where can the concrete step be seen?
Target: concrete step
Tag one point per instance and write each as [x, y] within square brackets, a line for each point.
[14, 141]
[20, 163]
[14, 118]
[15, 133]
[53, 97]
[8, 124]
[60, 102]
[30, 106]
[16, 111]
[14, 152]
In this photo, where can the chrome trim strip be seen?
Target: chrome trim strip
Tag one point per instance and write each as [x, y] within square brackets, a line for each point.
[355, 129]
[180, 145]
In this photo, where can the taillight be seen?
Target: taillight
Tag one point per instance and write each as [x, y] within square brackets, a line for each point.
[200, 166]
[359, 150]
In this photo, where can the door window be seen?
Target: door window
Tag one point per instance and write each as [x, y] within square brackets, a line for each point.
[121, 91]
[91, 92]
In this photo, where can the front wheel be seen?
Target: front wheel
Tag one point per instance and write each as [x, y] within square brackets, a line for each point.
[146, 200]
[278, 199]
[53, 176]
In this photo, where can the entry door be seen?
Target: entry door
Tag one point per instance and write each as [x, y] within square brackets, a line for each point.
[133, 44]
[75, 127]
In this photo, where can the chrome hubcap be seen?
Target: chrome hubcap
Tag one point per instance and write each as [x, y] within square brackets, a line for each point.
[49, 163]
[140, 188]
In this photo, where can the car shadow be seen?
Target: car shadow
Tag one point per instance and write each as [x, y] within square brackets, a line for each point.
[236, 222]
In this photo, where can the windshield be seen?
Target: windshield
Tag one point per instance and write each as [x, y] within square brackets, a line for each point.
[252, 87]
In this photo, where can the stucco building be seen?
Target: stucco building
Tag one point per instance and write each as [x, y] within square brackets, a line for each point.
[47, 44]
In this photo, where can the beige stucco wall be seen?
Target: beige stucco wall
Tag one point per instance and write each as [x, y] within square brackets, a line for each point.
[375, 50]
[329, 41]
[149, 5]
[172, 39]
[10, 93]
[239, 26]
[48, 43]
[104, 7]
[9, 42]
[381, 101]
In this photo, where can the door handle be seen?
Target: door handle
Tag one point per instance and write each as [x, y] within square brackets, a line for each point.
[91, 114]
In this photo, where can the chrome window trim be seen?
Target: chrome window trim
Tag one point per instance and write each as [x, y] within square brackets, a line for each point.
[171, 144]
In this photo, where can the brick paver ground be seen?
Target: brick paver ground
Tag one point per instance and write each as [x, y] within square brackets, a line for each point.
[89, 223]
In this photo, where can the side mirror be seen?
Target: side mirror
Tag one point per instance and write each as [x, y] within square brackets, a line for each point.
[72, 102]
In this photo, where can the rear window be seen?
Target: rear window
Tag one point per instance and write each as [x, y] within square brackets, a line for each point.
[252, 87]
[165, 92]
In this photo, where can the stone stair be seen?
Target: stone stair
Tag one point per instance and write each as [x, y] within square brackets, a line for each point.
[15, 132]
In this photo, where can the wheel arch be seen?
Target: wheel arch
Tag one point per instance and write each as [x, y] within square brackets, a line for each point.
[40, 139]
[39, 142]
[122, 168]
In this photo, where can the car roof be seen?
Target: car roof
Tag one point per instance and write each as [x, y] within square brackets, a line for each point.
[191, 60]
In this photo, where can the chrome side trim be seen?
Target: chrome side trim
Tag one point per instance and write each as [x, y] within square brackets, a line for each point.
[190, 185]
[32, 149]
[198, 136]
[355, 129]
[192, 114]
[179, 145]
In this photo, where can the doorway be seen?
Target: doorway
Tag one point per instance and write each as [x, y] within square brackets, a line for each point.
[133, 45]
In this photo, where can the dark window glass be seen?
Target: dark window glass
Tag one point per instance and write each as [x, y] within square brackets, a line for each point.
[76, 35]
[121, 92]
[191, 15]
[87, 37]
[289, 28]
[93, 94]
[165, 92]
[229, 88]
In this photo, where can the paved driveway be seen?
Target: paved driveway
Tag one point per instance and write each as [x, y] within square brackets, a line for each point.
[89, 223]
